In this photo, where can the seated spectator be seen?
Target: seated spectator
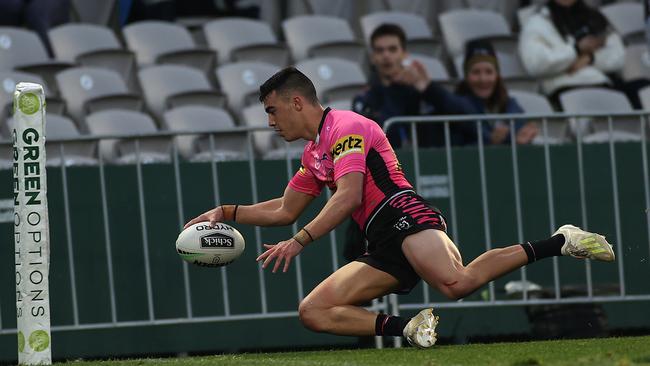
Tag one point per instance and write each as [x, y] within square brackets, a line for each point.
[385, 97]
[569, 44]
[482, 91]
[38, 15]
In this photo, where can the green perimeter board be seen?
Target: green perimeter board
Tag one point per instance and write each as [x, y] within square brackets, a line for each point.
[160, 196]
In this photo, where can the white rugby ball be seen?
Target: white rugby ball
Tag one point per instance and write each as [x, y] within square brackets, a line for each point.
[208, 246]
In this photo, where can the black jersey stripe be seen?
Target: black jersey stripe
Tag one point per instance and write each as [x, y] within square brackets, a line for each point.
[380, 174]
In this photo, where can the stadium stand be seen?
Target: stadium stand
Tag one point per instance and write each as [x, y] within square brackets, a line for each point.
[334, 79]
[637, 62]
[93, 45]
[240, 39]
[168, 86]
[644, 95]
[594, 100]
[311, 36]
[22, 50]
[156, 42]
[556, 130]
[419, 36]
[627, 20]
[513, 73]
[198, 147]
[96, 12]
[125, 123]
[90, 89]
[243, 80]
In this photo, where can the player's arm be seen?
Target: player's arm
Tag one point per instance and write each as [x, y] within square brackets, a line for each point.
[346, 199]
[279, 211]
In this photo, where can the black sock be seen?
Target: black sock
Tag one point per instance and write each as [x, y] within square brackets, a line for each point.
[390, 325]
[550, 247]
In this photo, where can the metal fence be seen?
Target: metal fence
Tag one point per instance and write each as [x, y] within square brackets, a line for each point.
[390, 304]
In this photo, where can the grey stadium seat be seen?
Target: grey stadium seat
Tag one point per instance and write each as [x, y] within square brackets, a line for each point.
[201, 119]
[436, 70]
[9, 79]
[124, 123]
[334, 78]
[637, 62]
[512, 71]
[22, 50]
[557, 130]
[269, 144]
[419, 37]
[595, 100]
[96, 12]
[460, 26]
[321, 36]
[92, 45]
[243, 80]
[241, 39]
[627, 20]
[169, 86]
[90, 89]
[156, 42]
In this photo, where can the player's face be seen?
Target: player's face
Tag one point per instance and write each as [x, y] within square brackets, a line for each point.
[282, 116]
[387, 56]
[482, 79]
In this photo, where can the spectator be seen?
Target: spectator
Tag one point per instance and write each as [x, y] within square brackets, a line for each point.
[39, 15]
[482, 91]
[385, 97]
[569, 44]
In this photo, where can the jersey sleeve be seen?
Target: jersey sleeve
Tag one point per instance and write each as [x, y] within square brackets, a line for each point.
[304, 181]
[350, 142]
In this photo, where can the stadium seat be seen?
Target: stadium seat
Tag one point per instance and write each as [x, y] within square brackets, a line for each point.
[90, 89]
[22, 50]
[428, 9]
[201, 119]
[512, 72]
[637, 62]
[321, 36]
[460, 26]
[243, 80]
[601, 100]
[419, 36]
[534, 103]
[349, 10]
[267, 143]
[125, 123]
[156, 42]
[334, 78]
[627, 19]
[240, 39]
[169, 86]
[9, 79]
[341, 104]
[95, 12]
[436, 70]
[95, 46]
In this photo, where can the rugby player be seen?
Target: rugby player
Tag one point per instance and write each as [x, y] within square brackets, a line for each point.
[406, 236]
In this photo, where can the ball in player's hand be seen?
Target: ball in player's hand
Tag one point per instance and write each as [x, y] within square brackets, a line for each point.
[210, 246]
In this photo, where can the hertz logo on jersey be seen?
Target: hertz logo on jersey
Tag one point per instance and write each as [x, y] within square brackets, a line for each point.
[347, 145]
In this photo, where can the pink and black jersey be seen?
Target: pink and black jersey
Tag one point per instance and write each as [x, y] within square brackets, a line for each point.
[348, 142]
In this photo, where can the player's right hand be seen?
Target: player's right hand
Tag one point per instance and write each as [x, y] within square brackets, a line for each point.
[213, 216]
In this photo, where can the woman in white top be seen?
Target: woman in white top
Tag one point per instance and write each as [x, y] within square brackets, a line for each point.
[567, 44]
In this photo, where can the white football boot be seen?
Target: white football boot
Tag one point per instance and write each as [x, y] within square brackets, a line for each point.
[583, 244]
[421, 329]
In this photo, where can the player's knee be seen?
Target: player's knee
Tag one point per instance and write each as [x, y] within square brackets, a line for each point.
[311, 316]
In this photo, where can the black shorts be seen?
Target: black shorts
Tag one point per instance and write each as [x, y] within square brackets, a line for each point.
[401, 216]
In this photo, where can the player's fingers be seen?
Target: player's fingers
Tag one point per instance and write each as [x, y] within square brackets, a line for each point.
[269, 258]
[192, 222]
[277, 263]
[286, 264]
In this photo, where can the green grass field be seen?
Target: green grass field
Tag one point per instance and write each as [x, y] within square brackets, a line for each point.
[592, 352]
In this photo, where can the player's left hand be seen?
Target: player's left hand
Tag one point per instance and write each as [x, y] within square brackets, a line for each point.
[282, 251]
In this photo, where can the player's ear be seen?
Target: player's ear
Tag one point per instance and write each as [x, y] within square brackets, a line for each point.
[297, 103]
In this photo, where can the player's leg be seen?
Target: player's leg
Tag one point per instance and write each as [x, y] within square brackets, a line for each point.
[435, 257]
[333, 306]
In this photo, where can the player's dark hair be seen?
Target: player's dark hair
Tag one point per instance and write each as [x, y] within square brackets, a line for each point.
[288, 80]
[389, 29]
